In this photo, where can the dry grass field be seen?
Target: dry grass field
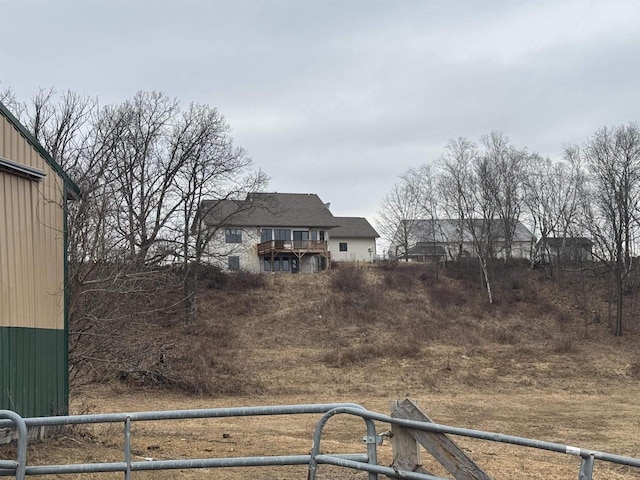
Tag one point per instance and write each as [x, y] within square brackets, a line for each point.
[539, 363]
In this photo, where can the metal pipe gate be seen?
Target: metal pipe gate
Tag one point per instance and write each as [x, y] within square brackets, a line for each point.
[366, 462]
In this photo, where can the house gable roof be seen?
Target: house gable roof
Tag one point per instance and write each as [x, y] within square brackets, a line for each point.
[569, 242]
[269, 210]
[74, 189]
[448, 230]
[353, 227]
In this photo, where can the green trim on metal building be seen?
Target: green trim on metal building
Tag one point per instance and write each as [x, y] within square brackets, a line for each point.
[37, 369]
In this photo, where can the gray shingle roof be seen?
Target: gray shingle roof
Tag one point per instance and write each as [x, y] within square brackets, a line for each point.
[423, 248]
[269, 210]
[353, 227]
[447, 230]
[569, 242]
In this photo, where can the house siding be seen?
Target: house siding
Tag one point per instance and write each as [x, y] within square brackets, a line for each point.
[32, 282]
[219, 251]
[357, 249]
[247, 251]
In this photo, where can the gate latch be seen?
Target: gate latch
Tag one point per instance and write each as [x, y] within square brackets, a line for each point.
[377, 439]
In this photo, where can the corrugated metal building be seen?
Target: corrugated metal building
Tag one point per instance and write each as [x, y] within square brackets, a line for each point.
[33, 268]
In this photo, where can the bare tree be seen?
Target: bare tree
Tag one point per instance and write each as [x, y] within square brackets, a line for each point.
[481, 207]
[143, 167]
[552, 196]
[9, 100]
[72, 129]
[214, 170]
[145, 163]
[507, 170]
[398, 215]
[574, 190]
[454, 182]
[422, 182]
[613, 159]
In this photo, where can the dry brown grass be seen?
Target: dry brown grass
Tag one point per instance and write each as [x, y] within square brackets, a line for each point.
[536, 364]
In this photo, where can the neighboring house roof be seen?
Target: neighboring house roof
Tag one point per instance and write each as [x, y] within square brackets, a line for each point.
[569, 242]
[448, 230]
[269, 210]
[74, 189]
[427, 249]
[353, 227]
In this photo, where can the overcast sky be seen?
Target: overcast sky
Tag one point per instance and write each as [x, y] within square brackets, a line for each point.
[340, 97]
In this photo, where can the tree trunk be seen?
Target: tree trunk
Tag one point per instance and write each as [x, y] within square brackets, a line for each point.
[619, 299]
[485, 274]
[189, 291]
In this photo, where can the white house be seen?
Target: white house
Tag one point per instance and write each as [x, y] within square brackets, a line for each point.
[282, 232]
[353, 241]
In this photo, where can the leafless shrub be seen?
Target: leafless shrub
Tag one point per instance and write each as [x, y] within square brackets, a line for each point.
[401, 280]
[466, 271]
[444, 295]
[366, 352]
[406, 277]
[211, 277]
[347, 279]
[243, 281]
[362, 307]
[544, 308]
[355, 299]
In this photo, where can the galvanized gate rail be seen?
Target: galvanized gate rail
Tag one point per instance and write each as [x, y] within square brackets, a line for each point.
[19, 468]
[364, 461]
[587, 456]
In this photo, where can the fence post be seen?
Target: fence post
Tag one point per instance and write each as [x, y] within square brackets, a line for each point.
[586, 468]
[443, 449]
[406, 449]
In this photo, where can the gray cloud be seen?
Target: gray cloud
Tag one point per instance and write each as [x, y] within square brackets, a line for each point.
[339, 97]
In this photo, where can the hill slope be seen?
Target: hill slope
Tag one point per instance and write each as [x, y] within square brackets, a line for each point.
[539, 363]
[408, 328]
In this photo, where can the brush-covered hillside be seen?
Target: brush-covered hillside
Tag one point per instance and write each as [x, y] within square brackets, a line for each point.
[395, 328]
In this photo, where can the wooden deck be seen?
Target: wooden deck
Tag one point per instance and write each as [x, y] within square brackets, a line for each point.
[293, 246]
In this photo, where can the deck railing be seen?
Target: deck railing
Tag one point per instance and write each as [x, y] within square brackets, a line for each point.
[293, 246]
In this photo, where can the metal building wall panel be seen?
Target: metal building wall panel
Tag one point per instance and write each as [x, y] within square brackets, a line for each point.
[33, 363]
[31, 386]
[32, 246]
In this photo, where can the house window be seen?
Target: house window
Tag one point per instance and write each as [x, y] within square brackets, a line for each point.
[300, 235]
[266, 234]
[234, 263]
[285, 264]
[282, 234]
[267, 264]
[343, 246]
[233, 235]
